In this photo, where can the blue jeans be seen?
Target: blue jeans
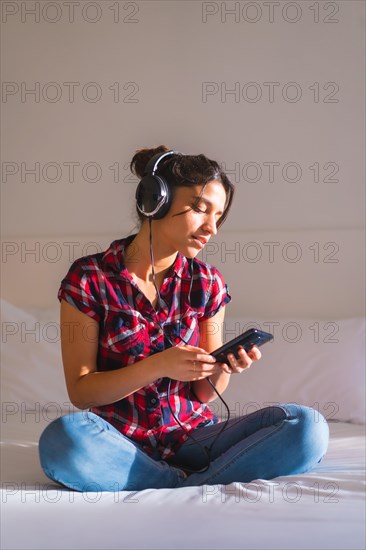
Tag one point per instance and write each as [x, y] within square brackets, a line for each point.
[85, 453]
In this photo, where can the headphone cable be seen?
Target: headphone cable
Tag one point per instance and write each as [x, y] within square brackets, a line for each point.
[206, 450]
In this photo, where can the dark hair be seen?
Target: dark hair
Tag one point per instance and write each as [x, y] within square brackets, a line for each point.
[184, 171]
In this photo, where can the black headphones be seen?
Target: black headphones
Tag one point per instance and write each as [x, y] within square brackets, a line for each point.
[153, 193]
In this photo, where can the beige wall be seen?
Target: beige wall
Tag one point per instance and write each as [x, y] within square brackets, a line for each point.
[162, 55]
[296, 154]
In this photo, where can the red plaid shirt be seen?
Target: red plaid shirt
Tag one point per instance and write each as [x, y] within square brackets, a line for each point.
[100, 286]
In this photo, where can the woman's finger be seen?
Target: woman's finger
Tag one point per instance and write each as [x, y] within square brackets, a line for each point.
[254, 353]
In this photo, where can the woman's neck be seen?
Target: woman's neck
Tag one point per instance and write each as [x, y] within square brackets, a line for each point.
[138, 258]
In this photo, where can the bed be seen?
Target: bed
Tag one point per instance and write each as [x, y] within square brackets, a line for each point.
[315, 310]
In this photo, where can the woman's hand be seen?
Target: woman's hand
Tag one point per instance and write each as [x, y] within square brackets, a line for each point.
[221, 378]
[187, 363]
[245, 360]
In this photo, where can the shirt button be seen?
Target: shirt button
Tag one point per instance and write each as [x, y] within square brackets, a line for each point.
[153, 400]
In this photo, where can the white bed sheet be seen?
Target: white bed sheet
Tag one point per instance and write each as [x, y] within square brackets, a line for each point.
[322, 509]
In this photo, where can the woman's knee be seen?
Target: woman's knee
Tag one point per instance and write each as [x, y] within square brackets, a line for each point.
[60, 437]
[310, 431]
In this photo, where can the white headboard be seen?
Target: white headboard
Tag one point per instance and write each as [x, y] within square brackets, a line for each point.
[309, 273]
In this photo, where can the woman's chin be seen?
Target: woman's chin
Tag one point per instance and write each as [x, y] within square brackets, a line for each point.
[190, 253]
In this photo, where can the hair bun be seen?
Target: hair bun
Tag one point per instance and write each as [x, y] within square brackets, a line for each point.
[142, 157]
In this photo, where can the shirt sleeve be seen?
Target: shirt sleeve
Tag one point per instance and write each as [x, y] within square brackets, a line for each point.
[80, 288]
[217, 295]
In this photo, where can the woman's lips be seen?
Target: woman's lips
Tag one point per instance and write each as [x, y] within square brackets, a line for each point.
[201, 241]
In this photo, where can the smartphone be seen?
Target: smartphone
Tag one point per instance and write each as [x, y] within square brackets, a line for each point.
[250, 338]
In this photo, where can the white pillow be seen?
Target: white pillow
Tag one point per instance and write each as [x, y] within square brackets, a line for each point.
[318, 363]
[32, 377]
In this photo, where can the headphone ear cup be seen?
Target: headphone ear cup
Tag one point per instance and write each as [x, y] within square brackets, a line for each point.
[166, 201]
[153, 197]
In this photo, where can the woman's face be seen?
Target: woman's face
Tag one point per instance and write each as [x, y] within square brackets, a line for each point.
[191, 220]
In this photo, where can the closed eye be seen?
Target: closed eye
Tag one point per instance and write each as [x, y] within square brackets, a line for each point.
[207, 204]
[197, 209]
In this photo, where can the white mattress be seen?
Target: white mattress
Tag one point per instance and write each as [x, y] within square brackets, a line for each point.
[323, 509]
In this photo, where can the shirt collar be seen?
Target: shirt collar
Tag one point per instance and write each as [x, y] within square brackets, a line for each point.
[113, 258]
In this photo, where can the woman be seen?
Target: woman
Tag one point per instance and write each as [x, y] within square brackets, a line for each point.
[138, 323]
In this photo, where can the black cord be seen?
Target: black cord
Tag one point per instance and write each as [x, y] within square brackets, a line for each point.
[206, 450]
[152, 265]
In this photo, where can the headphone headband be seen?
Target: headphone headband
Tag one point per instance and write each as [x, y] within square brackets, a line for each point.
[153, 163]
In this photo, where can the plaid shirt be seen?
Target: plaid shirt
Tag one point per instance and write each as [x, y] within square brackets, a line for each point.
[100, 286]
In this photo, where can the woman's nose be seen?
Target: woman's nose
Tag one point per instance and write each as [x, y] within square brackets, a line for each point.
[211, 225]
